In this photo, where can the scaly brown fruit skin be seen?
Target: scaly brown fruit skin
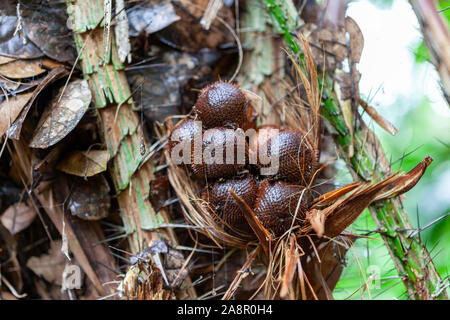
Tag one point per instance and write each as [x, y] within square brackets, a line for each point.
[220, 104]
[183, 131]
[221, 139]
[276, 203]
[259, 139]
[219, 198]
[223, 104]
[295, 156]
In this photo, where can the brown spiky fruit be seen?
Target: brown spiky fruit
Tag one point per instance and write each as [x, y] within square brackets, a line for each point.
[182, 137]
[276, 204]
[221, 103]
[219, 199]
[215, 162]
[185, 131]
[294, 154]
[259, 140]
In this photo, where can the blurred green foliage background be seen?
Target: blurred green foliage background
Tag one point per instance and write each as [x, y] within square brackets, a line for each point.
[424, 129]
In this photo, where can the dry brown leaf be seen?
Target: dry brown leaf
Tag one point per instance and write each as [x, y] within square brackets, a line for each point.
[9, 251]
[356, 39]
[90, 200]
[51, 64]
[12, 40]
[317, 220]
[53, 75]
[4, 59]
[338, 216]
[332, 196]
[345, 211]
[161, 13]
[65, 111]
[404, 181]
[11, 108]
[96, 260]
[49, 266]
[84, 163]
[329, 47]
[20, 69]
[18, 217]
[46, 26]
[9, 85]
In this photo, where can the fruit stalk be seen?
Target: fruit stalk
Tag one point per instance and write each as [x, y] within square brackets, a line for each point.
[368, 163]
